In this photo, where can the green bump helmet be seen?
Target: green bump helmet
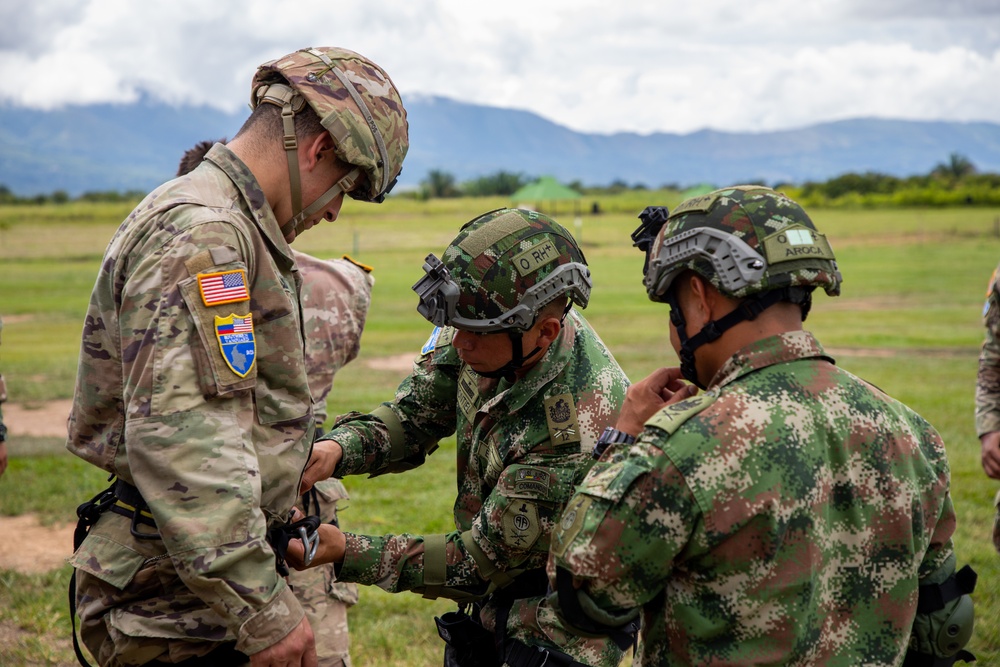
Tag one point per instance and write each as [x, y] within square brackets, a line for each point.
[745, 239]
[500, 271]
[356, 102]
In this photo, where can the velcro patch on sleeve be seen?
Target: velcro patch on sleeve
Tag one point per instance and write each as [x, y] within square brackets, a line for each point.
[223, 287]
[237, 342]
[560, 413]
[672, 417]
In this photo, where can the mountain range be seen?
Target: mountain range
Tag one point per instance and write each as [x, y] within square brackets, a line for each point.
[137, 146]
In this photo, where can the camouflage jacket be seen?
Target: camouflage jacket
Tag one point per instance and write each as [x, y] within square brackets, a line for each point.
[521, 448]
[785, 516]
[192, 388]
[988, 380]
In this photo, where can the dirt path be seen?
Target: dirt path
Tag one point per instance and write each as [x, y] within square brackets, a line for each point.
[28, 547]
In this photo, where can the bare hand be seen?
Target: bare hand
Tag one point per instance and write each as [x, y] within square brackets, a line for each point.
[296, 649]
[643, 399]
[326, 455]
[990, 451]
[332, 545]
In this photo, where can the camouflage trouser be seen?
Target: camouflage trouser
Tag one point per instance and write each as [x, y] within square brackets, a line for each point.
[324, 599]
[996, 523]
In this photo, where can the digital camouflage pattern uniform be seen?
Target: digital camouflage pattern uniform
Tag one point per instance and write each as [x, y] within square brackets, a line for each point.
[785, 516]
[212, 423]
[521, 448]
[789, 513]
[335, 298]
[988, 379]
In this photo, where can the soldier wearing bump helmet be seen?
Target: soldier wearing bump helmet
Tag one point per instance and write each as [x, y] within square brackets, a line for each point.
[524, 383]
[791, 513]
[193, 388]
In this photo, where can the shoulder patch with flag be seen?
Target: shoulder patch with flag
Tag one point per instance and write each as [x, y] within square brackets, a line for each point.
[236, 340]
[223, 287]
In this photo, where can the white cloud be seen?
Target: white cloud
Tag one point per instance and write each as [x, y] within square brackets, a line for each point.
[593, 66]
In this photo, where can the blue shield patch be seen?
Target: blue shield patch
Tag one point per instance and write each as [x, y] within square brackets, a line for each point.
[236, 340]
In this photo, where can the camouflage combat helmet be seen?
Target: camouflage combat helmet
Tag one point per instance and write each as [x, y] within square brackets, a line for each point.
[500, 271]
[745, 240]
[750, 242]
[356, 102]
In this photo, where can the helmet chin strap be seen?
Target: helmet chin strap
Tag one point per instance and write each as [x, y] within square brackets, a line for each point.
[747, 310]
[299, 216]
[509, 370]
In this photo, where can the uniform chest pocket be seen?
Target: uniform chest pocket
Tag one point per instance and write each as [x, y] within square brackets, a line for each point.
[282, 390]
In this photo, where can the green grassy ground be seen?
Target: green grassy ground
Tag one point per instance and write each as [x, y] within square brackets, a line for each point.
[908, 320]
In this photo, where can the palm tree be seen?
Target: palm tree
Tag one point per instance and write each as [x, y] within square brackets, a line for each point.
[957, 167]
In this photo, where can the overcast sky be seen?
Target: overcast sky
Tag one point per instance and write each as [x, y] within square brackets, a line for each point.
[591, 65]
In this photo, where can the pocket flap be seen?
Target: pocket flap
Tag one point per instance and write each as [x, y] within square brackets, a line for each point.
[108, 560]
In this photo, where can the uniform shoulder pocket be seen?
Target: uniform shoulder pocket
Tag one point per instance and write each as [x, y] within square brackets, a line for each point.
[226, 361]
[611, 480]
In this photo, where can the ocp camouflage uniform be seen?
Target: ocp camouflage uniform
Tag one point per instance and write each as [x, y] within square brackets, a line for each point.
[785, 516]
[521, 448]
[988, 380]
[335, 298]
[213, 427]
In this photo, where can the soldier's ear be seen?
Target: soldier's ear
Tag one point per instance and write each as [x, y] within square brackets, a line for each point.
[548, 330]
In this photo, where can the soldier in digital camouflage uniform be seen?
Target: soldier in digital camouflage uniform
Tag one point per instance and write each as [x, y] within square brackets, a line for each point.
[525, 383]
[988, 394]
[787, 514]
[335, 296]
[3, 429]
[193, 388]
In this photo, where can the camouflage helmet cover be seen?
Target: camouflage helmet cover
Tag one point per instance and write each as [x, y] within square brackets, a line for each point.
[502, 269]
[356, 102]
[744, 239]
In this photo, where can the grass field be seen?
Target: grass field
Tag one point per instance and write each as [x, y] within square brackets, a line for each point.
[908, 321]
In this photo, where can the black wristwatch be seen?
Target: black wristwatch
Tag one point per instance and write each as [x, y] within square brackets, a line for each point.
[611, 436]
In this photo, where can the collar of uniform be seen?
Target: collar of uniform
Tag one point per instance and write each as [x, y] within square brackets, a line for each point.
[221, 156]
[547, 369]
[789, 346]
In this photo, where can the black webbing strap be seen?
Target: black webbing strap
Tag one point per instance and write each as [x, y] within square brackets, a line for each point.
[279, 537]
[914, 659]
[623, 636]
[87, 515]
[933, 597]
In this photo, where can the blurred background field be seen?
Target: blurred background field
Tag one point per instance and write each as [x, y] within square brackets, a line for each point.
[908, 321]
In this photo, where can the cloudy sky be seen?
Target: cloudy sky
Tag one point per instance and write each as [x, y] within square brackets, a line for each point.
[592, 65]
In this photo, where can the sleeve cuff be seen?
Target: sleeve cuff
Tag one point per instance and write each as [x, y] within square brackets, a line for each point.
[362, 555]
[272, 623]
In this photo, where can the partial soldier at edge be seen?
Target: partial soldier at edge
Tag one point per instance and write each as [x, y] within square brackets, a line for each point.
[988, 394]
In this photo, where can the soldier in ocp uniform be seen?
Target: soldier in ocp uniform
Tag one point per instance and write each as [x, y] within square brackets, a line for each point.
[988, 394]
[335, 296]
[525, 383]
[791, 513]
[193, 388]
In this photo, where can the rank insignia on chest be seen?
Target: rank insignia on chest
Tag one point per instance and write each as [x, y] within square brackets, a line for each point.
[236, 340]
[223, 287]
[560, 413]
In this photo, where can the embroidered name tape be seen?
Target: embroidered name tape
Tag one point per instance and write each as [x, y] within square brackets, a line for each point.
[223, 287]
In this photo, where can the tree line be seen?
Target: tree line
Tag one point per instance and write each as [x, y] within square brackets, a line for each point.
[955, 181]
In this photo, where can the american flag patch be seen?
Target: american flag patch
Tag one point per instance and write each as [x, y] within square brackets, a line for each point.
[223, 287]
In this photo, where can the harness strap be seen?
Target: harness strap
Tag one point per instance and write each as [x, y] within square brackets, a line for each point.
[435, 565]
[935, 596]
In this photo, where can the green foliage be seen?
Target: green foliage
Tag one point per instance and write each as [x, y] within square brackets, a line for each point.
[908, 321]
[502, 183]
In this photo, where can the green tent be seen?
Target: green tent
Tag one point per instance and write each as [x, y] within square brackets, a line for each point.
[545, 189]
